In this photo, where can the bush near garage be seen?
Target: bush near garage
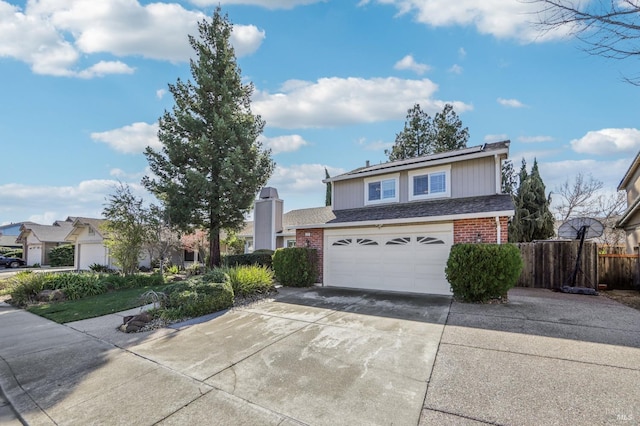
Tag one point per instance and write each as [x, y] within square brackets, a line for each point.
[62, 255]
[296, 266]
[480, 272]
[250, 280]
[258, 257]
[195, 297]
[13, 253]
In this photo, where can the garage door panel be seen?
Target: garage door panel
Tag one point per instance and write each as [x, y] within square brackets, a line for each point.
[399, 258]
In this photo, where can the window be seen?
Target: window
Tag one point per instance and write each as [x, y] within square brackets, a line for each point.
[382, 189]
[91, 231]
[430, 183]
[291, 243]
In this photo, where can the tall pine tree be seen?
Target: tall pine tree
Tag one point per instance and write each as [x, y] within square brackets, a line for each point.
[423, 135]
[211, 164]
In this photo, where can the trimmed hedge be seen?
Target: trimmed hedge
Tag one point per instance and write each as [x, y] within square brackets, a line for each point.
[62, 255]
[296, 266]
[479, 272]
[258, 257]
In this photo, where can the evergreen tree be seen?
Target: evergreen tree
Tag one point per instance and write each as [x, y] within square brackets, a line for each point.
[327, 197]
[423, 135]
[533, 219]
[211, 164]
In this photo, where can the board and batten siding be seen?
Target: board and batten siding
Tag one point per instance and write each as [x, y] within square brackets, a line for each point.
[468, 179]
[263, 217]
[473, 178]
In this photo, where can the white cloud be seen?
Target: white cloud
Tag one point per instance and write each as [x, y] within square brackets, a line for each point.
[337, 101]
[103, 68]
[52, 35]
[45, 203]
[131, 139]
[462, 53]
[555, 173]
[375, 145]
[510, 103]
[301, 178]
[455, 69]
[499, 18]
[409, 63]
[287, 143]
[269, 4]
[496, 138]
[160, 93]
[535, 139]
[123, 175]
[608, 141]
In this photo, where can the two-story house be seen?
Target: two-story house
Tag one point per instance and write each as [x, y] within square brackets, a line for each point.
[393, 224]
[630, 220]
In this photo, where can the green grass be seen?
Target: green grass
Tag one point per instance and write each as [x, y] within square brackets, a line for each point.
[94, 306]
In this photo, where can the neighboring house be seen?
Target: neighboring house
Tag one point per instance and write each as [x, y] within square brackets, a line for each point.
[90, 249]
[9, 234]
[38, 240]
[391, 225]
[630, 220]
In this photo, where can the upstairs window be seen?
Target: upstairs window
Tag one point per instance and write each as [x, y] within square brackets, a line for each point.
[381, 190]
[430, 183]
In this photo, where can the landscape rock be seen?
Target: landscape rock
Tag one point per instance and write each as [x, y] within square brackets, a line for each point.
[51, 296]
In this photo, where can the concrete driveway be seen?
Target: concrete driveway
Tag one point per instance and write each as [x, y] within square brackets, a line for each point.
[327, 357]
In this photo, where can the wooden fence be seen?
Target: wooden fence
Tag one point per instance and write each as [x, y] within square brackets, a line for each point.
[619, 271]
[550, 264]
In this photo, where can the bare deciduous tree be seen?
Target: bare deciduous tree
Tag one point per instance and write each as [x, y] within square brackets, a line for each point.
[609, 28]
[578, 198]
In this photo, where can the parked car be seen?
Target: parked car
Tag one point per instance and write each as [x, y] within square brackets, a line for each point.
[11, 262]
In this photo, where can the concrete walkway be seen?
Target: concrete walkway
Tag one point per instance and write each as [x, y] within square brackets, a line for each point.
[320, 356]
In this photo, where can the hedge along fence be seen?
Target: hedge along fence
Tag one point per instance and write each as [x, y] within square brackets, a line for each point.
[549, 264]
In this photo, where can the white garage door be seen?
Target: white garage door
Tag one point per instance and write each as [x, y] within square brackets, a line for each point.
[90, 253]
[395, 258]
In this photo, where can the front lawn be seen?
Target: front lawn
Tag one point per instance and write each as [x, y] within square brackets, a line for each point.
[94, 306]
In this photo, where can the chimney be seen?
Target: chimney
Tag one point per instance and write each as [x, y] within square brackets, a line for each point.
[367, 163]
[267, 219]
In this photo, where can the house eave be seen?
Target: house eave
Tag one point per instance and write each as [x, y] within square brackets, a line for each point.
[633, 208]
[410, 220]
[417, 163]
[632, 168]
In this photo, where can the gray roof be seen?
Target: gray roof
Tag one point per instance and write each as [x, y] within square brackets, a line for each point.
[310, 216]
[425, 209]
[47, 233]
[9, 241]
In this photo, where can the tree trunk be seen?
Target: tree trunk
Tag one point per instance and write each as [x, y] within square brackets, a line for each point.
[214, 248]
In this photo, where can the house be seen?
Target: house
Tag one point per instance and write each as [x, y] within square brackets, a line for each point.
[85, 234]
[630, 220]
[391, 225]
[38, 240]
[9, 234]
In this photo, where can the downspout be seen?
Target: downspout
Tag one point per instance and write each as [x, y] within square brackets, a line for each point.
[498, 174]
[273, 224]
[499, 231]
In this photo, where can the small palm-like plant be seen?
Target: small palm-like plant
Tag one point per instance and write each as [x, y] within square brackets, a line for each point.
[158, 298]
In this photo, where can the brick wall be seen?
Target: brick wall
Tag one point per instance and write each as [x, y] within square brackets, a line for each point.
[313, 238]
[468, 230]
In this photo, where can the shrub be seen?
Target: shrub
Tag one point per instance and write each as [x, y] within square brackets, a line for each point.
[195, 297]
[216, 275]
[172, 269]
[296, 266]
[14, 253]
[479, 272]
[25, 286]
[75, 285]
[258, 257]
[95, 267]
[247, 280]
[62, 255]
[194, 269]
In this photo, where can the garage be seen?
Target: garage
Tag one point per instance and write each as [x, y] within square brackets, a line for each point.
[393, 258]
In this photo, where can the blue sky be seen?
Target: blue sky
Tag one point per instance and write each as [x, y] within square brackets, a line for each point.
[84, 83]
